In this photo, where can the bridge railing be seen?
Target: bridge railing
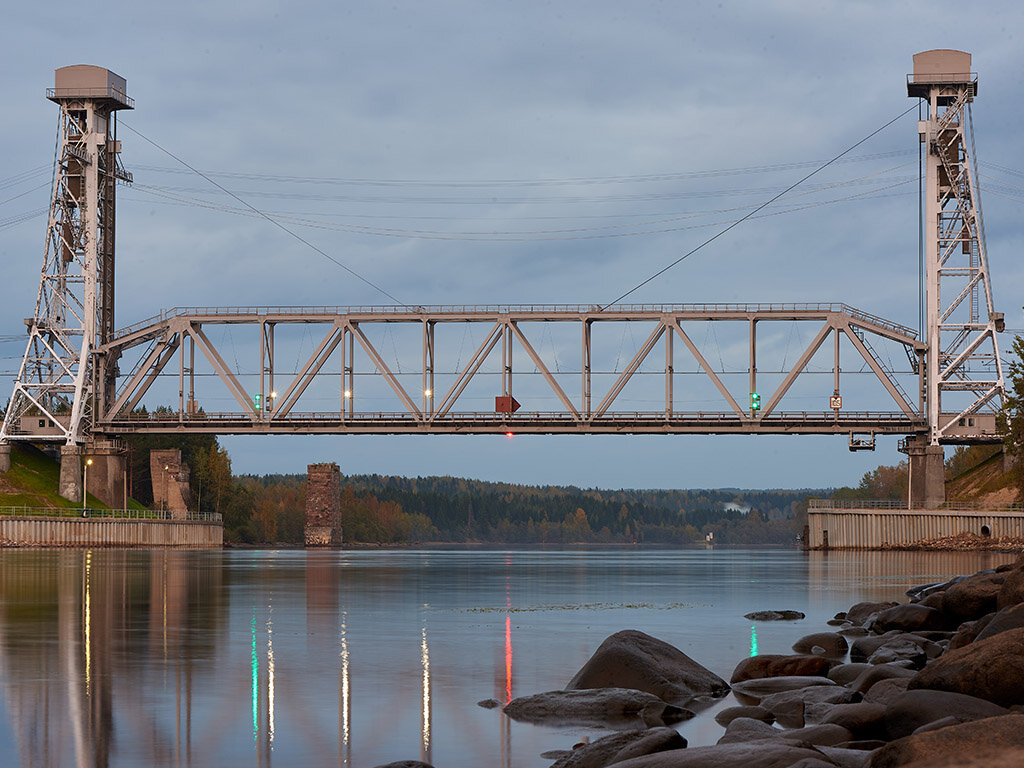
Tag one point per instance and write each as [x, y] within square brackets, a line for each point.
[948, 506]
[115, 514]
[591, 310]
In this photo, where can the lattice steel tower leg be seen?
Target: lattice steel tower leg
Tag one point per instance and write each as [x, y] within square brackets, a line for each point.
[60, 382]
[964, 375]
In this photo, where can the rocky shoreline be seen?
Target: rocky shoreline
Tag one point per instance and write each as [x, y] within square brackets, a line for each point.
[936, 682]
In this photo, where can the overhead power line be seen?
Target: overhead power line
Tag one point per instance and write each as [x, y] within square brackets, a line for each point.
[260, 213]
[759, 208]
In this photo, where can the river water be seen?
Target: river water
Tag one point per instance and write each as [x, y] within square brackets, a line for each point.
[358, 658]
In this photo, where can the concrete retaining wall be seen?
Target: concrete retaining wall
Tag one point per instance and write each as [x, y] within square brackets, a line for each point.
[871, 528]
[87, 532]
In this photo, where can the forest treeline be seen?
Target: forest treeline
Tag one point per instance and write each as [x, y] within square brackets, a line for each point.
[384, 509]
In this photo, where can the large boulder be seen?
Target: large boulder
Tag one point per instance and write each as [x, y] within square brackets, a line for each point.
[621, 746]
[830, 643]
[765, 686]
[756, 712]
[885, 691]
[953, 742]
[1012, 591]
[847, 673]
[1011, 617]
[990, 669]
[790, 707]
[911, 617]
[1006, 757]
[870, 677]
[972, 598]
[861, 612]
[595, 705]
[766, 753]
[863, 720]
[775, 665]
[632, 659]
[912, 710]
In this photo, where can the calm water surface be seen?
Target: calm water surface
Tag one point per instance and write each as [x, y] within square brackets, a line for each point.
[257, 658]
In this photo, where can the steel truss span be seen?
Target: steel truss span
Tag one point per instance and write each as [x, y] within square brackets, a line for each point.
[348, 349]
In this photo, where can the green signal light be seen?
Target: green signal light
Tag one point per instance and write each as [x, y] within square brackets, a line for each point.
[257, 401]
[755, 401]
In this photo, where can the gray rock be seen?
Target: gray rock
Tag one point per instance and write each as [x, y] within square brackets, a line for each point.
[847, 673]
[489, 703]
[990, 669]
[790, 707]
[406, 764]
[879, 672]
[773, 665]
[1006, 619]
[912, 617]
[632, 659]
[621, 746]
[769, 753]
[729, 714]
[884, 691]
[823, 735]
[758, 689]
[831, 643]
[861, 612]
[972, 598]
[863, 720]
[745, 729]
[912, 709]
[595, 705]
[774, 616]
[899, 649]
[956, 742]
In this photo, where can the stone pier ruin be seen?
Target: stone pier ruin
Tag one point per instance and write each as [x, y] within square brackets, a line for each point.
[323, 505]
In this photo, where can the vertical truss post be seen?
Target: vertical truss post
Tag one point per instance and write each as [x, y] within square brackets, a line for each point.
[59, 383]
[962, 361]
[669, 367]
[753, 365]
[428, 368]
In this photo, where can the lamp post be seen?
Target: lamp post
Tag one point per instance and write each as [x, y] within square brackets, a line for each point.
[85, 486]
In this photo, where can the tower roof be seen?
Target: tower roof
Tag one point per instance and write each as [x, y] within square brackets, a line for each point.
[942, 66]
[85, 81]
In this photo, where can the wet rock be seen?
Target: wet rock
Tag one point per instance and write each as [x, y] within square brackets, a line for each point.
[831, 643]
[915, 708]
[869, 678]
[911, 617]
[774, 665]
[862, 647]
[854, 632]
[774, 616]
[824, 735]
[861, 612]
[489, 703]
[406, 764]
[931, 748]
[1011, 757]
[744, 729]
[845, 758]
[863, 720]
[1011, 617]
[765, 686]
[847, 673]
[632, 659]
[1012, 590]
[899, 649]
[790, 707]
[972, 598]
[990, 669]
[595, 705]
[769, 753]
[621, 746]
[884, 691]
[729, 714]
[968, 632]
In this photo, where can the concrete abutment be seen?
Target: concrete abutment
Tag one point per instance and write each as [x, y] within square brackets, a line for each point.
[323, 505]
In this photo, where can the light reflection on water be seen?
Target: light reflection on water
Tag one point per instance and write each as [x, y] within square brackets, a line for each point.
[356, 658]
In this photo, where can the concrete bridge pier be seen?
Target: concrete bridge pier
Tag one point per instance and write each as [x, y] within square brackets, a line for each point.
[5, 457]
[107, 477]
[70, 484]
[927, 473]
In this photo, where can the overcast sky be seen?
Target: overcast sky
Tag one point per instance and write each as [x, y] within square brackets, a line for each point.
[555, 152]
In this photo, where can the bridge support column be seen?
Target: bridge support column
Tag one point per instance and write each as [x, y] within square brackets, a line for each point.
[70, 484]
[107, 478]
[927, 474]
[323, 505]
[5, 457]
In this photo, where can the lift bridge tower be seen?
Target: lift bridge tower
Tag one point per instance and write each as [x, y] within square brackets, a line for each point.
[61, 377]
[963, 382]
